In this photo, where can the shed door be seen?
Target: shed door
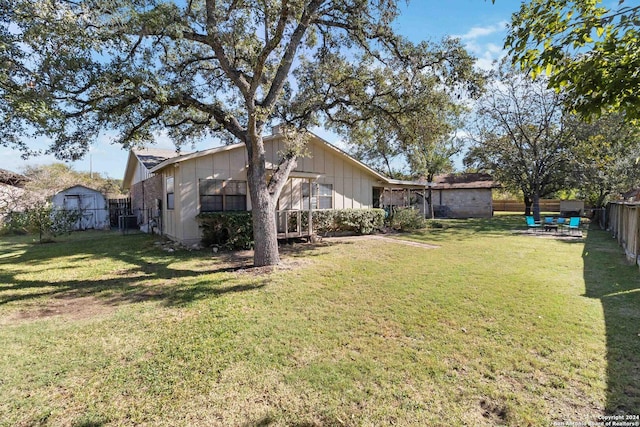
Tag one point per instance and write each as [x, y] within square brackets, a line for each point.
[72, 203]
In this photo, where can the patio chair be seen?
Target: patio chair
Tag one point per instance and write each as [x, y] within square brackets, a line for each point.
[574, 224]
[561, 221]
[532, 224]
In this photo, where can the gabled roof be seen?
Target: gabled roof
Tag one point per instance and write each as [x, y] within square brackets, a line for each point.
[147, 157]
[80, 186]
[240, 145]
[151, 157]
[449, 181]
[183, 157]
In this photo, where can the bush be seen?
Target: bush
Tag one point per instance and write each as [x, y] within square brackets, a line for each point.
[234, 230]
[43, 219]
[227, 230]
[361, 221]
[408, 219]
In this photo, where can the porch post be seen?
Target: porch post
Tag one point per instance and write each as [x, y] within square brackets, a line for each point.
[310, 221]
[424, 202]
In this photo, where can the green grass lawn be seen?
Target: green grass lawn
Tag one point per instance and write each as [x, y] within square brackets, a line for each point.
[492, 327]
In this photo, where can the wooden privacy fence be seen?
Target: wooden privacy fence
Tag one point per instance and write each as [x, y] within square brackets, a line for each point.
[546, 205]
[624, 225]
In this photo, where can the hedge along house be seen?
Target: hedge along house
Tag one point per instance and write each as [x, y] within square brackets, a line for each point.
[145, 188]
[326, 177]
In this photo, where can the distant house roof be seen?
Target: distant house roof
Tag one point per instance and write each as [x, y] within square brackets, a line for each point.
[12, 178]
[632, 195]
[464, 180]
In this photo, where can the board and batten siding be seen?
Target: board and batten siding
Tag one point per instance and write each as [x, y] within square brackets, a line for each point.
[140, 173]
[352, 185]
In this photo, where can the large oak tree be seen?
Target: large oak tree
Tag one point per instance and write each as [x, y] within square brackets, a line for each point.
[74, 68]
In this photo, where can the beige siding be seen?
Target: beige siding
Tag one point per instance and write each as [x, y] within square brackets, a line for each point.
[170, 218]
[189, 203]
[140, 173]
[352, 185]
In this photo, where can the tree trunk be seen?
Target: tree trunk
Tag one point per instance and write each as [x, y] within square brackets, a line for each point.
[527, 205]
[263, 209]
[536, 207]
[431, 213]
[263, 215]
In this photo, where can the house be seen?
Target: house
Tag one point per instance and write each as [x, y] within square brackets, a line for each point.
[325, 178]
[145, 188]
[90, 203]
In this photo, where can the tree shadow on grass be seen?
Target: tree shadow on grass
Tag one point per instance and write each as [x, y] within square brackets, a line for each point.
[150, 273]
[440, 230]
[616, 283]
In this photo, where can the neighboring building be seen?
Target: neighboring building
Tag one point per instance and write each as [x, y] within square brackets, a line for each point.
[465, 195]
[145, 188]
[12, 193]
[325, 178]
[91, 204]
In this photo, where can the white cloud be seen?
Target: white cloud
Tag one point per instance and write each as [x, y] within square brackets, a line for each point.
[485, 43]
[479, 32]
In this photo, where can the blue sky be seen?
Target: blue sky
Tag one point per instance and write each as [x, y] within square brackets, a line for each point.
[480, 25]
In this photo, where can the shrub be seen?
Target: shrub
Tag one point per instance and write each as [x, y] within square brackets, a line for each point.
[408, 219]
[42, 218]
[227, 230]
[234, 230]
[361, 221]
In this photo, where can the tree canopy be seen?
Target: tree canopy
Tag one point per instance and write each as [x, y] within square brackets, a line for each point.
[604, 159]
[589, 51]
[520, 136]
[198, 68]
[420, 117]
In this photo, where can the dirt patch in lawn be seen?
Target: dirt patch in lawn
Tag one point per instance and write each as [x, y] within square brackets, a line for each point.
[70, 307]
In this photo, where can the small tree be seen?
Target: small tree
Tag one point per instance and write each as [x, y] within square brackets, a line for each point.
[47, 221]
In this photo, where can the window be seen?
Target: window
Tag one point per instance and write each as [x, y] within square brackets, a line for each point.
[325, 196]
[170, 193]
[322, 197]
[218, 196]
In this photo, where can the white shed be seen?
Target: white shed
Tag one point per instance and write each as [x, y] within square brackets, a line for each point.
[91, 204]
